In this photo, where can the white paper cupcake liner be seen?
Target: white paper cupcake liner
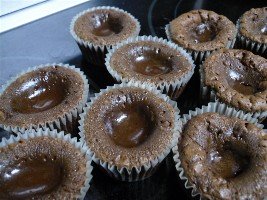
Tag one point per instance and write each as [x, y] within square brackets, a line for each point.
[208, 94]
[199, 56]
[211, 107]
[65, 121]
[95, 54]
[172, 88]
[135, 173]
[248, 44]
[81, 146]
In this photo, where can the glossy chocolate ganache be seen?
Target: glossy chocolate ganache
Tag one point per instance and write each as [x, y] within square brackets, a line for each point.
[150, 61]
[37, 168]
[224, 157]
[238, 78]
[128, 126]
[42, 95]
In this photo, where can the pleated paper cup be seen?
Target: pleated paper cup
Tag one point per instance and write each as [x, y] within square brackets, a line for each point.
[139, 172]
[172, 87]
[67, 121]
[65, 138]
[95, 53]
[216, 107]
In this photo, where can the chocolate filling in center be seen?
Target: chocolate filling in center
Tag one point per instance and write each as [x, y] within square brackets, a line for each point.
[150, 61]
[42, 91]
[204, 32]
[129, 124]
[106, 25]
[230, 159]
[29, 177]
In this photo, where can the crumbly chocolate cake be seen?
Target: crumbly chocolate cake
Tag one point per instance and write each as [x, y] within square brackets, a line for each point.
[224, 157]
[41, 168]
[238, 78]
[40, 96]
[202, 30]
[253, 25]
[150, 61]
[106, 26]
[129, 127]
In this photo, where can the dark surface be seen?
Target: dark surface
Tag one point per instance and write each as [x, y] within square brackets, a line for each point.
[48, 41]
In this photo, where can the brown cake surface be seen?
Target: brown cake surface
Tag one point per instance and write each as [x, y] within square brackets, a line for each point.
[40, 96]
[224, 157]
[41, 168]
[128, 127]
[253, 25]
[202, 30]
[238, 78]
[150, 61]
[105, 26]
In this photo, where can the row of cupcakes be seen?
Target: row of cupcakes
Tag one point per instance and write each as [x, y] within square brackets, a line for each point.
[199, 32]
[129, 129]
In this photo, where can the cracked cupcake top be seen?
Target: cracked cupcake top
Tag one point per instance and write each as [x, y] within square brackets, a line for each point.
[238, 78]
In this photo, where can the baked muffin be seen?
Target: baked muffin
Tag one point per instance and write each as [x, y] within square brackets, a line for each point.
[46, 96]
[35, 166]
[252, 31]
[223, 157]
[237, 78]
[201, 31]
[154, 61]
[130, 130]
[100, 28]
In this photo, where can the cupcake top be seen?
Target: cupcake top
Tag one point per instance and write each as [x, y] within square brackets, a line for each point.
[149, 59]
[224, 157]
[253, 24]
[129, 126]
[41, 95]
[238, 78]
[104, 26]
[38, 168]
[202, 30]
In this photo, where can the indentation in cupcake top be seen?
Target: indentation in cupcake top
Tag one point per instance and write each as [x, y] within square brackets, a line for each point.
[39, 91]
[230, 159]
[240, 77]
[150, 61]
[28, 177]
[105, 25]
[130, 123]
[204, 32]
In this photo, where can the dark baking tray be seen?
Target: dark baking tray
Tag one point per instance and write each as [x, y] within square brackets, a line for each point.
[48, 41]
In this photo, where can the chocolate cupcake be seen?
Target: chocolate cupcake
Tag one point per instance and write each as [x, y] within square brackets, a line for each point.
[47, 96]
[130, 128]
[44, 165]
[222, 157]
[98, 29]
[200, 32]
[238, 79]
[151, 60]
[252, 31]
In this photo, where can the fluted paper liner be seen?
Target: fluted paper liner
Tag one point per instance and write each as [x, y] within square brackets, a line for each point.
[81, 146]
[199, 56]
[96, 53]
[211, 107]
[212, 97]
[65, 119]
[246, 43]
[135, 173]
[171, 88]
